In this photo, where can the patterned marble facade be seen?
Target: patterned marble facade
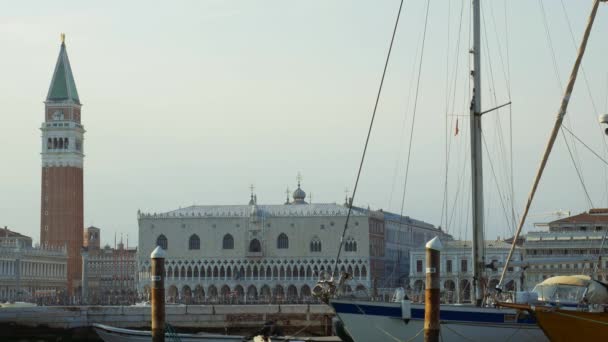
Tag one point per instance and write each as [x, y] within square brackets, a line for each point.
[31, 273]
[266, 252]
[253, 252]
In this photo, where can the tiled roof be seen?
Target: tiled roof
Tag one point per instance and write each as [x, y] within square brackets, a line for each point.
[317, 209]
[5, 232]
[593, 216]
[469, 244]
[63, 86]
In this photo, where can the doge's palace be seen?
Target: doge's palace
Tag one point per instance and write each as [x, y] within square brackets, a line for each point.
[254, 251]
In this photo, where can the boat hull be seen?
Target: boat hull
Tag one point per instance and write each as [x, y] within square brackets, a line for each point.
[377, 321]
[112, 334]
[566, 325]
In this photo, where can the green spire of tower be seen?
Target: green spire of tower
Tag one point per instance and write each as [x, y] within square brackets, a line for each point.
[63, 87]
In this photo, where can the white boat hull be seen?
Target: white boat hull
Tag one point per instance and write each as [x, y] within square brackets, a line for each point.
[377, 321]
[112, 334]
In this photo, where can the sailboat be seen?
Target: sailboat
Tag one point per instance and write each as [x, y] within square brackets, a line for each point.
[401, 320]
[575, 307]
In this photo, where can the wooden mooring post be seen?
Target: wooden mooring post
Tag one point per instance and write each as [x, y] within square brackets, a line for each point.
[157, 288]
[431, 293]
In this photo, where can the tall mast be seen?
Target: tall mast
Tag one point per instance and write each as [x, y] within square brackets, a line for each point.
[476, 160]
[563, 108]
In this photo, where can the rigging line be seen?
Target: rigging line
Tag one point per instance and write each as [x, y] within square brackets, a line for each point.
[502, 63]
[498, 127]
[409, 152]
[505, 13]
[586, 146]
[446, 130]
[453, 104]
[369, 133]
[558, 122]
[588, 88]
[403, 126]
[493, 91]
[459, 186]
[555, 65]
[550, 46]
[582, 66]
[466, 95]
[578, 172]
[504, 210]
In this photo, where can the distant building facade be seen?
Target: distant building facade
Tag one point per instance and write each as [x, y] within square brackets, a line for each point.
[61, 215]
[404, 234]
[111, 273]
[31, 273]
[253, 252]
[272, 252]
[576, 236]
[457, 269]
[391, 237]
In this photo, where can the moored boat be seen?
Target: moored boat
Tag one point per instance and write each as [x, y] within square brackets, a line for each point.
[571, 308]
[113, 334]
[376, 321]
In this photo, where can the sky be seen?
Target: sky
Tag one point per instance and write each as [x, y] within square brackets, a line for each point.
[191, 102]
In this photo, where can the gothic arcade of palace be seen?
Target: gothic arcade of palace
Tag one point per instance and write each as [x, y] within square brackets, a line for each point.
[266, 252]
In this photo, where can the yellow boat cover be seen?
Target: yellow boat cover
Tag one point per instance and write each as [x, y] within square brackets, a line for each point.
[575, 280]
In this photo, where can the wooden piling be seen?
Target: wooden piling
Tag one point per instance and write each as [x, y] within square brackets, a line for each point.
[431, 293]
[157, 289]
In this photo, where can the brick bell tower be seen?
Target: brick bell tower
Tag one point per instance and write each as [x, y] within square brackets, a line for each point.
[61, 217]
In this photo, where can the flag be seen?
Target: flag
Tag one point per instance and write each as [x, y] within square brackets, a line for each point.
[457, 130]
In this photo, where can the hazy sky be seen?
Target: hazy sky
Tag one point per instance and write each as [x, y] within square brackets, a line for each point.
[189, 102]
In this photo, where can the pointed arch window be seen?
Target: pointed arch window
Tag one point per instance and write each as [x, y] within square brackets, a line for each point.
[255, 246]
[350, 245]
[282, 241]
[194, 242]
[162, 242]
[315, 244]
[228, 242]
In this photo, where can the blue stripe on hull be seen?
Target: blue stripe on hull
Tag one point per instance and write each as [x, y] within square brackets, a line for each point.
[446, 313]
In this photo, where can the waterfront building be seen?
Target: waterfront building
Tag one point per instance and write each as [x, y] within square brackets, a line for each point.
[392, 236]
[61, 215]
[254, 251]
[404, 234]
[578, 236]
[31, 273]
[456, 269]
[270, 252]
[110, 274]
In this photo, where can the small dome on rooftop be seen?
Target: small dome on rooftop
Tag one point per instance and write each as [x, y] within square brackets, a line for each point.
[299, 195]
